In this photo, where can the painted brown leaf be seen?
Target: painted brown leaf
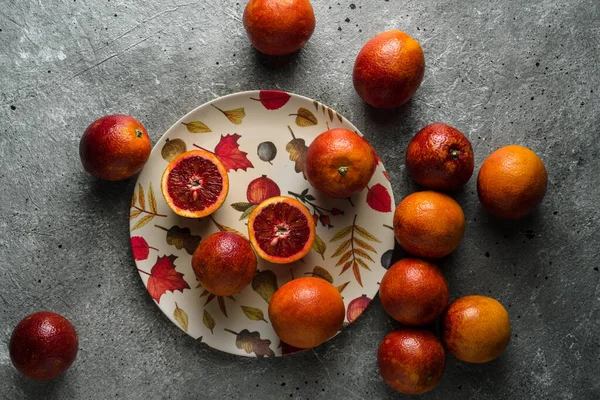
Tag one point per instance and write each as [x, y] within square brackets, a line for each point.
[140, 248]
[142, 196]
[181, 238]
[316, 104]
[322, 273]
[341, 233]
[222, 306]
[346, 266]
[143, 221]
[273, 99]
[265, 284]
[319, 246]
[379, 199]
[342, 287]
[196, 127]
[356, 271]
[181, 317]
[363, 254]
[365, 234]
[224, 228]
[342, 248]
[152, 200]
[254, 314]
[344, 258]
[164, 277]
[209, 321]
[364, 245]
[297, 149]
[305, 118]
[339, 117]
[251, 342]
[230, 155]
[330, 112]
[362, 264]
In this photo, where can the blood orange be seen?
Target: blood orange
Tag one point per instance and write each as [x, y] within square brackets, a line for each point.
[195, 184]
[281, 230]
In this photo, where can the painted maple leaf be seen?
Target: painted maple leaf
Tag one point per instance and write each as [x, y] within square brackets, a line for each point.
[230, 155]
[164, 277]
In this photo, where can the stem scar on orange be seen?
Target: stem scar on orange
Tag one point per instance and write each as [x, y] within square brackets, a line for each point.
[281, 229]
[195, 184]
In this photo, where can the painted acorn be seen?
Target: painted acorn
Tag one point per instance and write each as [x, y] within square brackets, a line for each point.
[267, 151]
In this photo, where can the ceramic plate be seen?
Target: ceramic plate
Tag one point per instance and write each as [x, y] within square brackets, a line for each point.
[256, 135]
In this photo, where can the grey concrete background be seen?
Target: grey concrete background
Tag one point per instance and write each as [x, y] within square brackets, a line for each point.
[501, 71]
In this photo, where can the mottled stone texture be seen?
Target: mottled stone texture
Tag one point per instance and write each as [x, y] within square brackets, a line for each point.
[501, 71]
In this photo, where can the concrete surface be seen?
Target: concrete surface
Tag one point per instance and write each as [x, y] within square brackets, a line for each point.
[501, 71]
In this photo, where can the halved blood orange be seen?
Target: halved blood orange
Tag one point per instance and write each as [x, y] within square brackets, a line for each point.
[281, 229]
[195, 184]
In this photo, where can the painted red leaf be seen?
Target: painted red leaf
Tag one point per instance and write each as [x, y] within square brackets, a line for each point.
[163, 278]
[230, 155]
[140, 248]
[379, 199]
[273, 99]
[386, 176]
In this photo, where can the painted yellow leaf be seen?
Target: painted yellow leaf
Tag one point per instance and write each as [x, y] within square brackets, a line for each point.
[343, 247]
[235, 116]
[224, 228]
[319, 246]
[364, 245]
[134, 213]
[143, 221]
[181, 317]
[152, 199]
[341, 233]
[362, 264]
[305, 118]
[322, 273]
[133, 198]
[265, 284]
[342, 287]
[363, 254]
[142, 196]
[196, 127]
[365, 234]
[254, 314]
[208, 320]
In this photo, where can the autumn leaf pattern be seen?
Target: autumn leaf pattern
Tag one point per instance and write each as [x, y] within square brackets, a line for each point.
[251, 342]
[229, 153]
[204, 315]
[163, 278]
[354, 251]
[139, 197]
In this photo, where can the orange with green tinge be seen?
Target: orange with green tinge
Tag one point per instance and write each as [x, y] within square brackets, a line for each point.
[476, 328]
[279, 27]
[389, 69]
[512, 182]
[306, 312]
[429, 224]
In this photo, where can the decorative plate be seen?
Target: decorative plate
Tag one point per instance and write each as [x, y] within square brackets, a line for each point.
[256, 134]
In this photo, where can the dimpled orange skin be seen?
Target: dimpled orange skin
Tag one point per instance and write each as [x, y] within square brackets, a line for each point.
[476, 329]
[339, 163]
[114, 147]
[512, 182]
[414, 292]
[411, 361]
[440, 157]
[279, 27]
[224, 263]
[429, 224]
[306, 312]
[389, 69]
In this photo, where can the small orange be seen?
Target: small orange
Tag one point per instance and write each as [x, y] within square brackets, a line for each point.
[476, 328]
[414, 292]
[279, 27]
[389, 69]
[429, 224]
[512, 182]
[339, 163]
[281, 229]
[306, 312]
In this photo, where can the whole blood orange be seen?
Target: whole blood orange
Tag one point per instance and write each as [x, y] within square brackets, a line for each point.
[279, 27]
[476, 328]
[305, 312]
[389, 69]
[512, 182]
[43, 345]
[281, 230]
[224, 263]
[440, 157]
[411, 361]
[114, 147]
[195, 184]
[429, 224]
[414, 292]
[339, 163]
